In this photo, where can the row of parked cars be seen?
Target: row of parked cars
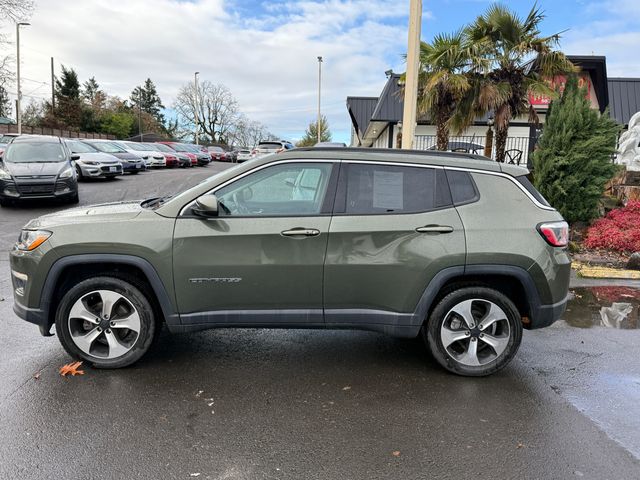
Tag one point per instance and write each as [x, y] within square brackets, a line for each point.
[39, 166]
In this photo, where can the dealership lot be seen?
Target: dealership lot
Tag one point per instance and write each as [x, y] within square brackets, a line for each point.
[305, 403]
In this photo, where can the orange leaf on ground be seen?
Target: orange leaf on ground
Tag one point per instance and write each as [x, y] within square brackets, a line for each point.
[395, 453]
[71, 369]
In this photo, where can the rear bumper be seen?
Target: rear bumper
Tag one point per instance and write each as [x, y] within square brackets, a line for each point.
[546, 315]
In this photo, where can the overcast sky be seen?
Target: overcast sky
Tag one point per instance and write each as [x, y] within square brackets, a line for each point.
[265, 51]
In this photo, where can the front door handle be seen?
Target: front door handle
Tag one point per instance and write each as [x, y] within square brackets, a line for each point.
[301, 232]
[435, 229]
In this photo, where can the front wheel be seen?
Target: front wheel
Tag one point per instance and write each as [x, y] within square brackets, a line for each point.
[107, 322]
[474, 331]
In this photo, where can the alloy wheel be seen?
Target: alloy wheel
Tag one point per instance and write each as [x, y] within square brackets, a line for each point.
[104, 324]
[475, 332]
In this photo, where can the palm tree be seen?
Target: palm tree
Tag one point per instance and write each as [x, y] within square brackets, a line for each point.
[442, 81]
[511, 60]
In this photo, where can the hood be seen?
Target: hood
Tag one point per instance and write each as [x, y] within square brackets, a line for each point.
[97, 157]
[105, 212]
[127, 156]
[35, 168]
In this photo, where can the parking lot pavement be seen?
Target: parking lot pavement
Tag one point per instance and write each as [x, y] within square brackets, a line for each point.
[305, 404]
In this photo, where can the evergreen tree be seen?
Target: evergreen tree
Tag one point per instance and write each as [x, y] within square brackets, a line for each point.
[310, 137]
[147, 99]
[5, 103]
[572, 162]
[68, 101]
[92, 93]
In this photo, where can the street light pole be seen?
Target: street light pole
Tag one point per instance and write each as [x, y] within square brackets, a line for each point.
[318, 125]
[411, 83]
[195, 82]
[18, 109]
[140, 114]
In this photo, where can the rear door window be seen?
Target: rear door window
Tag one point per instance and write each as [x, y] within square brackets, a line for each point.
[373, 189]
[463, 189]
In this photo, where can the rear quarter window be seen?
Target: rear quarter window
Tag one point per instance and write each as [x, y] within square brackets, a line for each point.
[526, 183]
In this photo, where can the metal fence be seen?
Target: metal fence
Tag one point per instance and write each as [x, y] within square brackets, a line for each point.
[517, 151]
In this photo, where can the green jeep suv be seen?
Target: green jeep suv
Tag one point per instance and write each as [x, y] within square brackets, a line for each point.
[454, 248]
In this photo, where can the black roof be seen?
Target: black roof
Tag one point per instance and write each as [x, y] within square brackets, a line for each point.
[391, 102]
[624, 98]
[360, 110]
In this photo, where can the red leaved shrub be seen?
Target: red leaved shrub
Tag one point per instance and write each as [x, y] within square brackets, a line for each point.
[619, 230]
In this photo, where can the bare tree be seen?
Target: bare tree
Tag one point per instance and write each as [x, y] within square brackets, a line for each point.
[247, 133]
[16, 10]
[11, 11]
[217, 110]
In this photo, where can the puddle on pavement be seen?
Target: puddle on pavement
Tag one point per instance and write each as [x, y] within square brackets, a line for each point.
[611, 307]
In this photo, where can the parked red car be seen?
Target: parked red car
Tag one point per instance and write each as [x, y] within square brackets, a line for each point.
[218, 153]
[180, 148]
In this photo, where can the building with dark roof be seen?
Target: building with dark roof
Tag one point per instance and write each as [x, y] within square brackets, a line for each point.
[376, 121]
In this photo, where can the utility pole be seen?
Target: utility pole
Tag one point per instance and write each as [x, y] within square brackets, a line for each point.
[411, 84]
[53, 90]
[140, 114]
[18, 111]
[318, 126]
[195, 83]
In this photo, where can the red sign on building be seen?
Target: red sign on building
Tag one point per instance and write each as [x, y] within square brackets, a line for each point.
[558, 83]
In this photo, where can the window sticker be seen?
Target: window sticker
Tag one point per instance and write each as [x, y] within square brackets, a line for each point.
[388, 190]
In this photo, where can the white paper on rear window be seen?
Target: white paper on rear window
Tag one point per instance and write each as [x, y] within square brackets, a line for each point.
[387, 190]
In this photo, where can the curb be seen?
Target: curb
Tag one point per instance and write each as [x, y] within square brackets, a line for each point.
[590, 271]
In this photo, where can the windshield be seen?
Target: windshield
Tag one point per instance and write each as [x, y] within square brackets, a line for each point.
[163, 148]
[6, 138]
[108, 147]
[136, 146]
[215, 149]
[35, 152]
[80, 147]
[151, 147]
[180, 147]
[270, 145]
[191, 148]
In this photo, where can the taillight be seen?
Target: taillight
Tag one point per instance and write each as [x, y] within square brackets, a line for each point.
[555, 233]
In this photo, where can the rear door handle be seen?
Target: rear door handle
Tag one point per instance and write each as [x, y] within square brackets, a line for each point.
[435, 229]
[301, 232]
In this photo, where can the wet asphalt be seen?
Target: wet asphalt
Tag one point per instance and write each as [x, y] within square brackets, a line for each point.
[305, 404]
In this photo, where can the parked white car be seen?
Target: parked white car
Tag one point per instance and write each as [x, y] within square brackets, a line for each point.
[267, 147]
[152, 158]
[244, 155]
[92, 162]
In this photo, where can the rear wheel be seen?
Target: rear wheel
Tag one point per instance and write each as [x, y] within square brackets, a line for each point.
[474, 331]
[107, 322]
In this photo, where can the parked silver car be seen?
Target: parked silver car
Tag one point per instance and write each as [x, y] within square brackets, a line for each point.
[92, 162]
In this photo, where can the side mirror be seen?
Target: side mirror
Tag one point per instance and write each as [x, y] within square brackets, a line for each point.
[206, 206]
[75, 157]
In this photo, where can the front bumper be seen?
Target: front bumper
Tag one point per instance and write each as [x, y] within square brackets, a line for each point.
[35, 316]
[133, 167]
[37, 189]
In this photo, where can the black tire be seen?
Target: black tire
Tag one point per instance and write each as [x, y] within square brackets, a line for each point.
[79, 173]
[5, 203]
[432, 331]
[149, 323]
[135, 172]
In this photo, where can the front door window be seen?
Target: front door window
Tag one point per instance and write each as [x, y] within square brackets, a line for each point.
[291, 189]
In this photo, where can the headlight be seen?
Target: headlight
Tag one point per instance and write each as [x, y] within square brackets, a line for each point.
[89, 162]
[4, 175]
[31, 239]
[68, 173]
